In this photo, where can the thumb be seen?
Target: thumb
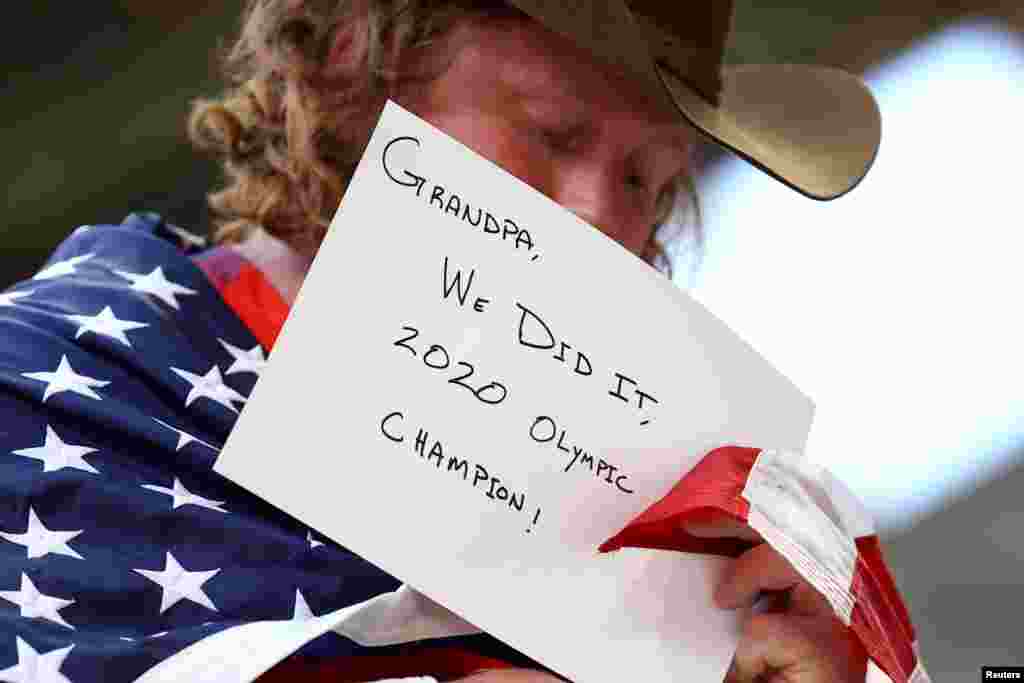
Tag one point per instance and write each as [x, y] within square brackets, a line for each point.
[778, 647]
[773, 643]
[711, 523]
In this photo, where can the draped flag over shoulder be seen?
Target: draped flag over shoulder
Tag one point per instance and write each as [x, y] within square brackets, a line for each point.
[124, 364]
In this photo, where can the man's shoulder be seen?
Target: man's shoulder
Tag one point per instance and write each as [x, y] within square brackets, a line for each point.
[140, 237]
[143, 258]
[120, 314]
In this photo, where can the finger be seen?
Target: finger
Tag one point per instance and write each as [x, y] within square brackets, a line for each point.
[806, 600]
[797, 649]
[714, 524]
[774, 643]
[760, 569]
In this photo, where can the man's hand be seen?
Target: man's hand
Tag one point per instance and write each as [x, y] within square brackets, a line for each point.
[798, 641]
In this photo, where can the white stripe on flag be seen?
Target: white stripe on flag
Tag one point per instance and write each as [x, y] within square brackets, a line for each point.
[875, 674]
[919, 675]
[243, 653]
[790, 507]
[402, 617]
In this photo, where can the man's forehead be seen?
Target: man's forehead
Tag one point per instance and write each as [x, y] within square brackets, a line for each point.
[540, 58]
[541, 80]
[535, 63]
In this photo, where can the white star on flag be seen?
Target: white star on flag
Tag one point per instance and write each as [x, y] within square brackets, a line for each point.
[156, 284]
[107, 324]
[211, 385]
[65, 267]
[57, 454]
[301, 611]
[33, 667]
[9, 298]
[32, 604]
[182, 496]
[41, 541]
[312, 543]
[245, 361]
[64, 378]
[184, 438]
[178, 584]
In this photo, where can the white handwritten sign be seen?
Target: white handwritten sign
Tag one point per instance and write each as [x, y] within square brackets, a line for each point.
[475, 389]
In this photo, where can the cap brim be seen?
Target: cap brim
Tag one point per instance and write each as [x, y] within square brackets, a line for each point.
[816, 129]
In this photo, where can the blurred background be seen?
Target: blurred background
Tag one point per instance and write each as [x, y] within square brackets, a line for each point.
[896, 307]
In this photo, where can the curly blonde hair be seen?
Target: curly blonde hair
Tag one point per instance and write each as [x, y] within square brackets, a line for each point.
[289, 132]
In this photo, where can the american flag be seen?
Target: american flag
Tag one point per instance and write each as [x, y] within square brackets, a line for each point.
[124, 557]
[122, 372]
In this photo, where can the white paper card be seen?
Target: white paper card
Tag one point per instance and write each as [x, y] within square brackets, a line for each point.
[479, 439]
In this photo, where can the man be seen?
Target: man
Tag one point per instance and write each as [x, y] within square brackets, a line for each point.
[172, 351]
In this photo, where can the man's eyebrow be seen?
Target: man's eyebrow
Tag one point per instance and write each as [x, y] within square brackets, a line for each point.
[677, 135]
[549, 91]
[542, 84]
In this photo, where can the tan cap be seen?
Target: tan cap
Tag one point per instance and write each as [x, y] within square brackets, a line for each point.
[816, 129]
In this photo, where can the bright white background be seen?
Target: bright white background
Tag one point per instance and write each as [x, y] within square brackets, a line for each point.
[897, 308]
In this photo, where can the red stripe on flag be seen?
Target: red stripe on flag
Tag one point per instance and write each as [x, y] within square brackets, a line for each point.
[442, 663]
[880, 619]
[247, 292]
[712, 487]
